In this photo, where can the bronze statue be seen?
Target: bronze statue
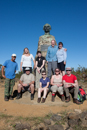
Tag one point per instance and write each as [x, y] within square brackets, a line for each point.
[45, 40]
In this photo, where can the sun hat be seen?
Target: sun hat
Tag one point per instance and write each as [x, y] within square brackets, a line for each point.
[13, 54]
[27, 68]
[68, 68]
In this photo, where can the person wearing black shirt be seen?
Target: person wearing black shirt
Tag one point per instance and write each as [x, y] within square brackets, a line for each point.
[40, 65]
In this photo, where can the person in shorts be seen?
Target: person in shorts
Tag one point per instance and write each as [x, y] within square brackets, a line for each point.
[57, 85]
[70, 85]
[26, 82]
[61, 58]
[10, 67]
[44, 87]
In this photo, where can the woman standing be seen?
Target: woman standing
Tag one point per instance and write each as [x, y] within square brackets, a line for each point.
[44, 86]
[26, 60]
[40, 65]
[61, 57]
[56, 82]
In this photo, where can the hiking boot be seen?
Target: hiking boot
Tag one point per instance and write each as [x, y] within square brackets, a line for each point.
[10, 97]
[53, 98]
[38, 100]
[32, 96]
[43, 100]
[6, 98]
[76, 101]
[62, 98]
[68, 99]
[18, 96]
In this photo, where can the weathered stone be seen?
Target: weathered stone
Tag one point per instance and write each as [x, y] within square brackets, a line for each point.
[73, 123]
[56, 127]
[26, 94]
[56, 117]
[78, 111]
[41, 126]
[66, 126]
[47, 122]
[84, 123]
[20, 126]
[83, 115]
[73, 116]
[70, 128]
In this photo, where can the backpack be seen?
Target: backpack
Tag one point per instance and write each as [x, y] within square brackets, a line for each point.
[81, 94]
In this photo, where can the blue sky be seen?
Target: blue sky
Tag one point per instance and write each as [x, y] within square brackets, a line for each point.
[22, 21]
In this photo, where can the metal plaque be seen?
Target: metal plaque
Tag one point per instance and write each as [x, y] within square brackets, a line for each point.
[44, 47]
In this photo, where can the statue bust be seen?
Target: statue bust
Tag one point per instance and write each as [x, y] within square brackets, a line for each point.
[45, 39]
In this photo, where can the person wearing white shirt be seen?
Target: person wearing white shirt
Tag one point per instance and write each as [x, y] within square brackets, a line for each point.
[26, 60]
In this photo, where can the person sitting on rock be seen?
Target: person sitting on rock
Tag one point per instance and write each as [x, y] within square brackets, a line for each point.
[70, 85]
[44, 86]
[57, 85]
[26, 82]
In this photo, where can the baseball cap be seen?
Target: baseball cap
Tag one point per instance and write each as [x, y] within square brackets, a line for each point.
[68, 68]
[13, 54]
[27, 68]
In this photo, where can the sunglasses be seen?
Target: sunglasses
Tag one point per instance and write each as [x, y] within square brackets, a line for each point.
[43, 74]
[57, 71]
[68, 70]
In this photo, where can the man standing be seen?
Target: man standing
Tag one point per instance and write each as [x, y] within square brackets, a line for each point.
[52, 58]
[26, 82]
[10, 68]
[70, 85]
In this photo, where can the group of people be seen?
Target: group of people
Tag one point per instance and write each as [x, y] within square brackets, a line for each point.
[56, 80]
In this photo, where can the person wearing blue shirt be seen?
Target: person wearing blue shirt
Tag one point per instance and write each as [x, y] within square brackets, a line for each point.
[51, 58]
[61, 57]
[44, 87]
[10, 68]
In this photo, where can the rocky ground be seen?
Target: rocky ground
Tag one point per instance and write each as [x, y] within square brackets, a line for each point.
[29, 115]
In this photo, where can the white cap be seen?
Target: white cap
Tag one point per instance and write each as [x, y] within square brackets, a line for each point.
[13, 54]
[27, 68]
[68, 68]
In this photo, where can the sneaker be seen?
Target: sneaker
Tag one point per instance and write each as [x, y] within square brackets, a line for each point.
[68, 99]
[6, 98]
[32, 96]
[18, 96]
[76, 101]
[43, 100]
[53, 98]
[10, 97]
[38, 100]
[62, 98]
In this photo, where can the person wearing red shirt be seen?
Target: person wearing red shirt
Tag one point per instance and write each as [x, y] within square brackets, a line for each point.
[70, 85]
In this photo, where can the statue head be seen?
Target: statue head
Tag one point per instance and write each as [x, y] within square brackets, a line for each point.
[47, 28]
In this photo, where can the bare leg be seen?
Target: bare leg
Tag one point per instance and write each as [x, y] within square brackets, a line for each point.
[31, 88]
[45, 92]
[20, 87]
[39, 92]
[63, 73]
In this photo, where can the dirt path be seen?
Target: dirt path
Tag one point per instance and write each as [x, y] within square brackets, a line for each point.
[27, 108]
